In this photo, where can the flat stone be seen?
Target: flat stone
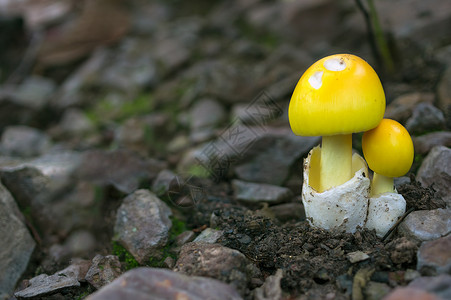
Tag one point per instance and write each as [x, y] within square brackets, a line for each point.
[439, 285]
[425, 225]
[255, 193]
[209, 236]
[271, 161]
[434, 256]
[43, 284]
[216, 261]
[142, 225]
[17, 243]
[425, 118]
[357, 256]
[424, 143]
[152, 283]
[435, 171]
[24, 141]
[103, 270]
[122, 169]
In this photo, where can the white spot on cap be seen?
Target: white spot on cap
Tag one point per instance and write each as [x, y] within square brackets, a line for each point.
[335, 64]
[316, 80]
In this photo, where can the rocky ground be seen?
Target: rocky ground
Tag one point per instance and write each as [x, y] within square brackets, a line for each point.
[149, 141]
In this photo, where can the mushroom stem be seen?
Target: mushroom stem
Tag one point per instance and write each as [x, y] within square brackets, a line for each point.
[381, 184]
[336, 161]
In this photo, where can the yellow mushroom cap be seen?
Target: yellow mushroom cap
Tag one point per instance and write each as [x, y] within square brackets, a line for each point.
[339, 94]
[388, 149]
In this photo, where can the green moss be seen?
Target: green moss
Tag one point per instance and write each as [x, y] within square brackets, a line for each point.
[130, 262]
[198, 171]
[108, 110]
[177, 228]
[124, 256]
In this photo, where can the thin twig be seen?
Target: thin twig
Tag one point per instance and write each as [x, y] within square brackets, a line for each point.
[397, 223]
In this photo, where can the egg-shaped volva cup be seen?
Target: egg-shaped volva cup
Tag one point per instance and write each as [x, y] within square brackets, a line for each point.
[384, 210]
[342, 208]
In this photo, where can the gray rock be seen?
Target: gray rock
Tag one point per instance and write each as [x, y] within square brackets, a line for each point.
[216, 261]
[439, 285]
[424, 143]
[425, 225]
[75, 122]
[271, 162]
[27, 101]
[435, 171]
[357, 256]
[425, 118]
[34, 92]
[155, 284]
[255, 193]
[271, 289]
[209, 236]
[434, 256]
[206, 113]
[103, 270]
[122, 169]
[204, 117]
[45, 187]
[142, 225]
[24, 141]
[17, 243]
[43, 284]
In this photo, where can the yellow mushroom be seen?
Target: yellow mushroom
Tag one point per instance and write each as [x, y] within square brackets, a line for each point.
[388, 150]
[337, 96]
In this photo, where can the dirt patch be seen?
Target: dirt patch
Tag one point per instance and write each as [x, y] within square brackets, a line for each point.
[314, 261]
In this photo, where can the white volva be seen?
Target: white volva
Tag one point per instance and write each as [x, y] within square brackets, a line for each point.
[342, 208]
[383, 212]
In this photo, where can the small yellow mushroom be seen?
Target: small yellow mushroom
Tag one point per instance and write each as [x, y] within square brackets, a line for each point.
[388, 150]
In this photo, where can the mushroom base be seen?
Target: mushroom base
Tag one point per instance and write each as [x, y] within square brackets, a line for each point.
[343, 207]
[384, 210]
